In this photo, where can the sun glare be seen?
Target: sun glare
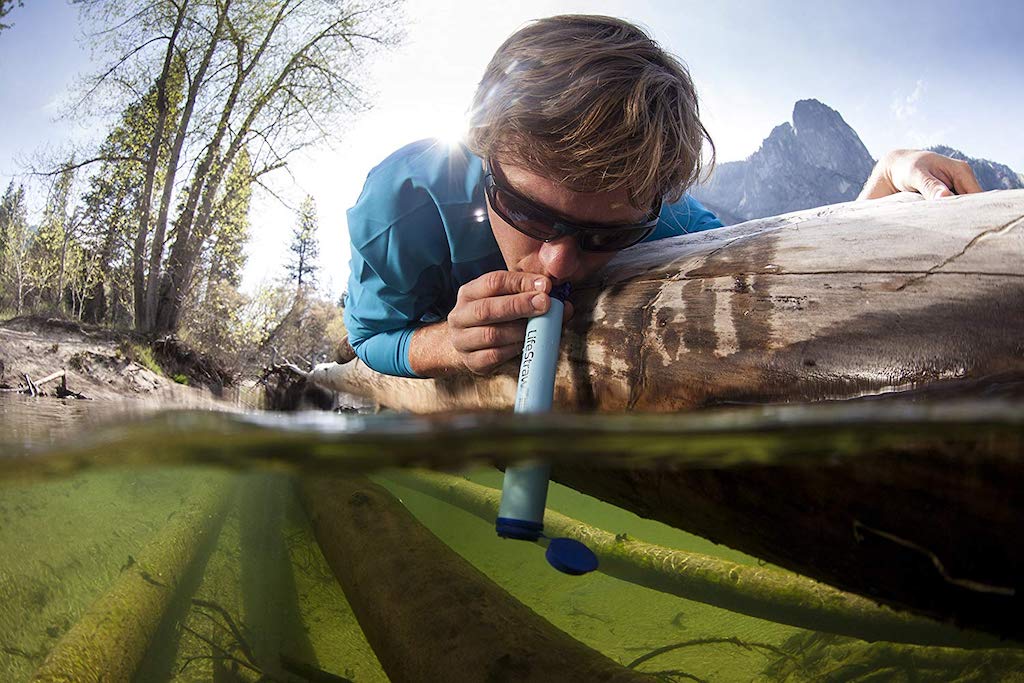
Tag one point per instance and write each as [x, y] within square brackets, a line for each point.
[452, 131]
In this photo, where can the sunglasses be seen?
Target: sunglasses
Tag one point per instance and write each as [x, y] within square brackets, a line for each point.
[543, 224]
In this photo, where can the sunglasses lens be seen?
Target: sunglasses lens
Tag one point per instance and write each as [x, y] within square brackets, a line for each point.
[522, 216]
[612, 240]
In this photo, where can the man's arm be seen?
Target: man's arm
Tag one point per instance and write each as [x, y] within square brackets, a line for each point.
[907, 170]
[431, 353]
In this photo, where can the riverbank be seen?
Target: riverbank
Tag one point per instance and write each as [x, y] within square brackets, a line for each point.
[106, 364]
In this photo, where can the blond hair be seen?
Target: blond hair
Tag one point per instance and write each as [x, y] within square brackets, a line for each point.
[595, 104]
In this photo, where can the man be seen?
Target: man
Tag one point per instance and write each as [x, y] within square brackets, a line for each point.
[584, 135]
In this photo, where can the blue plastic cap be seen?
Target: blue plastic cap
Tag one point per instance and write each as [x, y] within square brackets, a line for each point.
[562, 291]
[569, 556]
[519, 529]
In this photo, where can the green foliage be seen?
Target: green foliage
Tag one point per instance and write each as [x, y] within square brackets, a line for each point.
[110, 220]
[180, 379]
[53, 243]
[212, 96]
[142, 355]
[231, 224]
[246, 333]
[15, 240]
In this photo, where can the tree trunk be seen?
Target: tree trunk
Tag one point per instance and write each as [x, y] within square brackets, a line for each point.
[146, 196]
[160, 231]
[205, 183]
[197, 224]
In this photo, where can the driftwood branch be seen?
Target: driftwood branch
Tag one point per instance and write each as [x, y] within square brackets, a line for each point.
[32, 388]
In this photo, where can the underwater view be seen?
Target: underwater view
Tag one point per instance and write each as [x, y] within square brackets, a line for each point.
[225, 546]
[497, 342]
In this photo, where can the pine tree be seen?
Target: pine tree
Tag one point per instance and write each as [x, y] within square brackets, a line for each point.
[12, 213]
[48, 256]
[302, 266]
[14, 244]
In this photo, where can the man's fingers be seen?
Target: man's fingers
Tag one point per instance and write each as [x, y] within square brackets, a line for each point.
[567, 313]
[484, 362]
[930, 186]
[499, 309]
[501, 282]
[964, 181]
[491, 336]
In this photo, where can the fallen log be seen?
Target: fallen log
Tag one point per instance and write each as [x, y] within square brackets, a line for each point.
[109, 641]
[429, 614]
[762, 592]
[839, 302]
[898, 296]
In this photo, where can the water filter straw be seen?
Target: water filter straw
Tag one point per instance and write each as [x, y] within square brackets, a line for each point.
[524, 491]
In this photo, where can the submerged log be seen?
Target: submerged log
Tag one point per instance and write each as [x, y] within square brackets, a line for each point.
[762, 592]
[931, 531]
[109, 641]
[832, 303]
[429, 614]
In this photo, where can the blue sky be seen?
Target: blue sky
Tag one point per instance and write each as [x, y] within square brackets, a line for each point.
[908, 74]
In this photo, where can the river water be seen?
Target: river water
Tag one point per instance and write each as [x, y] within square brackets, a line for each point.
[177, 546]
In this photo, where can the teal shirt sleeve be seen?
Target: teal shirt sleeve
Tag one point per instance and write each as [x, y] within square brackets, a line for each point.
[400, 258]
[683, 217]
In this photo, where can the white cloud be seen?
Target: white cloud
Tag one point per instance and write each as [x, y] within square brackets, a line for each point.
[905, 107]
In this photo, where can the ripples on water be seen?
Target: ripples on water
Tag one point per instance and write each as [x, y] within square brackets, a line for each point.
[89, 492]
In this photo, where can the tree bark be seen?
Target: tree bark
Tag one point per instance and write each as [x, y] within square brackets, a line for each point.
[924, 526]
[205, 183]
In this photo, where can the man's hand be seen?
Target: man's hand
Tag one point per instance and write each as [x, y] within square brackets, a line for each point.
[931, 174]
[487, 326]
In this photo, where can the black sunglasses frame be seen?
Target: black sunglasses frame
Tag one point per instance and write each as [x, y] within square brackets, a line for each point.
[585, 234]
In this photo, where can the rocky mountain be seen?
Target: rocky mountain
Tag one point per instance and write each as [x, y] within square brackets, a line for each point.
[817, 160]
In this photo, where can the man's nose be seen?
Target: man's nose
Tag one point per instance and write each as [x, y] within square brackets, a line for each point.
[561, 257]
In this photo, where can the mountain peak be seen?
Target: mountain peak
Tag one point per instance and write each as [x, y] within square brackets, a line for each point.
[809, 112]
[818, 159]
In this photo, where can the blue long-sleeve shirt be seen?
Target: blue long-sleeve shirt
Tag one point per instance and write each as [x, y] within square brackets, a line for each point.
[420, 231]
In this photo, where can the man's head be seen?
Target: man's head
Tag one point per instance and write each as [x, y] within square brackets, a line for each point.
[589, 117]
